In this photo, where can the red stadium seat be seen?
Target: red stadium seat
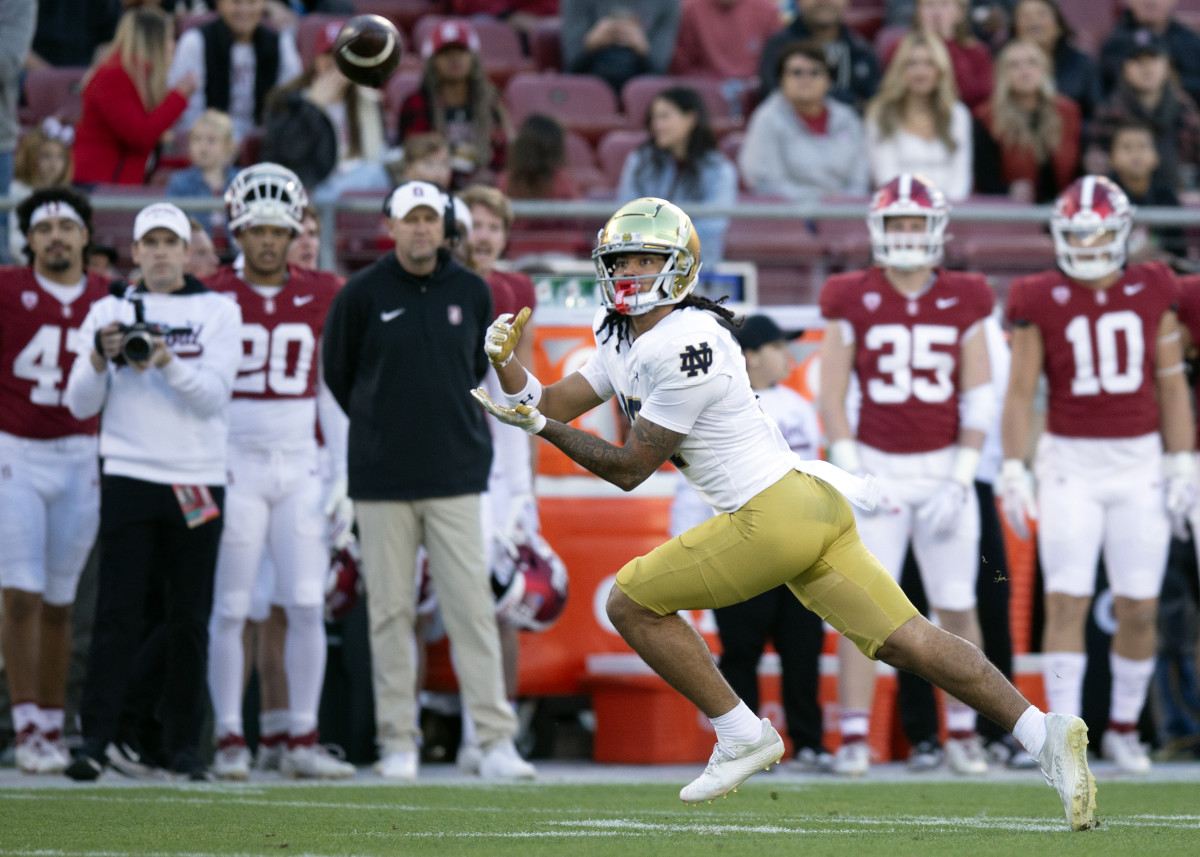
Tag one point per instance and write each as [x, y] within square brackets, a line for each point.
[54, 91]
[500, 48]
[614, 149]
[306, 33]
[403, 13]
[361, 235]
[115, 228]
[1092, 21]
[580, 102]
[194, 19]
[581, 164]
[885, 43]
[639, 92]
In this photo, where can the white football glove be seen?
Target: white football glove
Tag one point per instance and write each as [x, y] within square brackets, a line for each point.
[339, 509]
[844, 454]
[944, 508]
[1015, 487]
[1179, 471]
[521, 416]
[502, 335]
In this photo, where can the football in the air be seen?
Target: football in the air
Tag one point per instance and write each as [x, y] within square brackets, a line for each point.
[367, 50]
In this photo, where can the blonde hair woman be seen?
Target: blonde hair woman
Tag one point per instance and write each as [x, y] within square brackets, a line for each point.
[126, 104]
[970, 58]
[916, 124]
[1027, 142]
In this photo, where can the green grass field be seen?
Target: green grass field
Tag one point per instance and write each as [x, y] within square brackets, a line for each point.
[769, 815]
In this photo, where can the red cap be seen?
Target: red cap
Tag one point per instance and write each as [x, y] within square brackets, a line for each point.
[327, 37]
[449, 33]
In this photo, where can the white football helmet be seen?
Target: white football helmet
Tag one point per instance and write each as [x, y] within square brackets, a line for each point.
[1096, 213]
[908, 195]
[654, 226]
[266, 194]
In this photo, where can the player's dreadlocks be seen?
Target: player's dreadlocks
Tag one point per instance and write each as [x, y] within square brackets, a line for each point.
[618, 323]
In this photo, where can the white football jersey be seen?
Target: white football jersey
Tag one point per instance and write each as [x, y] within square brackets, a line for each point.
[687, 374]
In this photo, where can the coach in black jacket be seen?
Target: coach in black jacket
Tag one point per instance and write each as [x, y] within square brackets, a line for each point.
[403, 341]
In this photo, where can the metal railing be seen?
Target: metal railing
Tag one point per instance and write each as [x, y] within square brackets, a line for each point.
[971, 211]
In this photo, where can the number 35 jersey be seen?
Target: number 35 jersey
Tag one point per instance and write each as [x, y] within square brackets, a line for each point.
[687, 374]
[274, 396]
[907, 353]
[1099, 348]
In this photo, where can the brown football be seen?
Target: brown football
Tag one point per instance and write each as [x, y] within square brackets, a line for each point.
[367, 50]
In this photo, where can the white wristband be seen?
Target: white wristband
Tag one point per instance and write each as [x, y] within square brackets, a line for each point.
[844, 454]
[530, 394]
[1012, 469]
[966, 462]
[1178, 464]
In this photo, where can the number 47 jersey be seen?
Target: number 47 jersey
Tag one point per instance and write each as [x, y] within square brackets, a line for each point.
[274, 396]
[907, 353]
[1099, 348]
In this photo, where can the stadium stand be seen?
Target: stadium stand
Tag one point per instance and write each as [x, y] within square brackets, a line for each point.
[615, 148]
[639, 92]
[582, 103]
[54, 91]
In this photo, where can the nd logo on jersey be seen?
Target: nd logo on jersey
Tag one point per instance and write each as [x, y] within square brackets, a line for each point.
[694, 360]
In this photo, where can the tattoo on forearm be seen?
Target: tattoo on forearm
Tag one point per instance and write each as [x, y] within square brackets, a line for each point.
[624, 466]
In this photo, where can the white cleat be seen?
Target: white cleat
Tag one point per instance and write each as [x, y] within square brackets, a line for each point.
[503, 762]
[269, 757]
[728, 769]
[853, 759]
[965, 756]
[398, 765]
[231, 761]
[314, 762]
[1063, 761]
[1127, 751]
[54, 757]
[29, 754]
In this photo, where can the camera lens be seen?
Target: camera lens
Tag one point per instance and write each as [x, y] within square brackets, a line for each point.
[136, 347]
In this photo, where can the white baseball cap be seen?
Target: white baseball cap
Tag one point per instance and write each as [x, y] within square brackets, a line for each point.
[162, 215]
[413, 195]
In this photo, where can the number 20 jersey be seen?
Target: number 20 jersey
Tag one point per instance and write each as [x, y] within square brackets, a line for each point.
[1099, 348]
[907, 353]
[274, 396]
[38, 345]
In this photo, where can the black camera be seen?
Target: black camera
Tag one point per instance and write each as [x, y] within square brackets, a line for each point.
[137, 341]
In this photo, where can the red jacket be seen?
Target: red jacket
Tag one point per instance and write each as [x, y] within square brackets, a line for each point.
[1022, 164]
[116, 134]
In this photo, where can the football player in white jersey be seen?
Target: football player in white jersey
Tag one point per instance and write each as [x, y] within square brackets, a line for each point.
[276, 499]
[681, 379]
[49, 489]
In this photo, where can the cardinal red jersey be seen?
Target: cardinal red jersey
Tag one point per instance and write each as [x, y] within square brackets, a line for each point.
[279, 333]
[1099, 347]
[907, 353]
[513, 286]
[39, 340]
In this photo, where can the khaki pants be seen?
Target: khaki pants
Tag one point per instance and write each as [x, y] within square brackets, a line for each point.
[451, 530]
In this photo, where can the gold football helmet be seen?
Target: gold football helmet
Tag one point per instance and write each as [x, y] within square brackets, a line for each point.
[648, 225]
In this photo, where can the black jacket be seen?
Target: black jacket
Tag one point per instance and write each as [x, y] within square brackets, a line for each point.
[855, 68]
[400, 355]
[1182, 42]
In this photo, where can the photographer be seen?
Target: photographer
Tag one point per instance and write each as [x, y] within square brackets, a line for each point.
[162, 371]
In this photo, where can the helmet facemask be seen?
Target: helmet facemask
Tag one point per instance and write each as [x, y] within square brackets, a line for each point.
[1099, 246]
[908, 251]
[266, 195]
[647, 227]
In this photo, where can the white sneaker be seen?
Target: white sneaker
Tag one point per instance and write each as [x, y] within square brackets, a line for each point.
[232, 760]
[398, 765]
[313, 761]
[965, 756]
[29, 752]
[925, 756]
[1063, 760]
[469, 758]
[1127, 751]
[269, 757]
[502, 762]
[728, 769]
[853, 759]
[54, 756]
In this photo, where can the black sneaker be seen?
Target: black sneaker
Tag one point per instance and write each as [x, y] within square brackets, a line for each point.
[187, 764]
[926, 756]
[125, 759]
[84, 769]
